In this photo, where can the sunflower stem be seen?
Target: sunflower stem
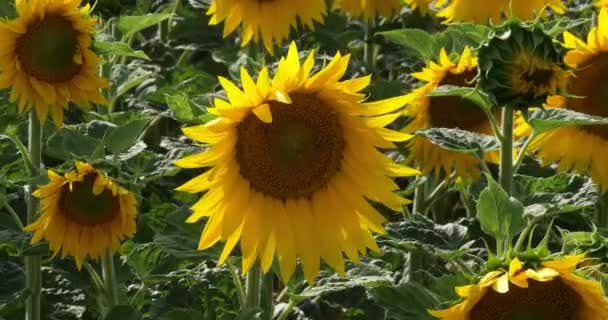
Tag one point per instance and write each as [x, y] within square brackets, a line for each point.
[369, 49]
[419, 197]
[33, 263]
[253, 287]
[267, 296]
[240, 290]
[506, 151]
[109, 279]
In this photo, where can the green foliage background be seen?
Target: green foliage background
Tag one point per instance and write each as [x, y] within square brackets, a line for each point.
[163, 69]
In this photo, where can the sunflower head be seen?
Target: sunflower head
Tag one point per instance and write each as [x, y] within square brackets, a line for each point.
[546, 291]
[293, 156]
[581, 148]
[495, 10]
[370, 9]
[521, 66]
[84, 213]
[445, 112]
[265, 21]
[46, 60]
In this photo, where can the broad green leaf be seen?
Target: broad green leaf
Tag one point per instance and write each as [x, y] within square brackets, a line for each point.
[183, 109]
[130, 25]
[555, 194]
[462, 141]
[125, 136]
[406, 301]
[118, 49]
[474, 95]
[123, 313]
[147, 258]
[78, 145]
[500, 216]
[548, 119]
[418, 40]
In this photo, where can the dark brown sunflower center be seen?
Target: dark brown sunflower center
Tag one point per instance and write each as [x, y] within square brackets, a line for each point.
[46, 51]
[591, 84]
[453, 111]
[553, 300]
[84, 207]
[295, 155]
[538, 77]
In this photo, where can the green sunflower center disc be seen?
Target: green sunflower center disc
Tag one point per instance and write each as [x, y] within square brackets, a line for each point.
[84, 207]
[590, 88]
[553, 300]
[46, 51]
[453, 111]
[295, 155]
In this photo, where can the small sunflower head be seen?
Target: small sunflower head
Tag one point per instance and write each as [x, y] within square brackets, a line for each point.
[84, 213]
[521, 66]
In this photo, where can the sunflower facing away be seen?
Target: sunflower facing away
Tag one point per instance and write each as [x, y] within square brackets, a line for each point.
[550, 292]
[581, 148]
[293, 161]
[45, 57]
[369, 9]
[84, 213]
[484, 11]
[266, 20]
[445, 112]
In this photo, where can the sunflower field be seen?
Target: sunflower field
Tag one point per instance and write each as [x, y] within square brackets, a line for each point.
[304, 160]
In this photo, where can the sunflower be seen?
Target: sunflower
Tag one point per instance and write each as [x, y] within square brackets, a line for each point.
[45, 57]
[521, 65]
[84, 213]
[495, 10]
[551, 291]
[293, 157]
[445, 112]
[369, 9]
[602, 3]
[268, 21]
[581, 148]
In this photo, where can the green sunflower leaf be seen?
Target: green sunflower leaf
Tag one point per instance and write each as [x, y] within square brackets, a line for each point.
[126, 135]
[462, 141]
[475, 95]
[415, 39]
[500, 216]
[548, 119]
[118, 49]
[130, 25]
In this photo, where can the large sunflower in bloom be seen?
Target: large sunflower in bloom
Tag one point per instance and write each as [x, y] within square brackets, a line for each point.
[45, 57]
[483, 11]
[369, 9]
[581, 148]
[268, 21]
[445, 112]
[602, 3]
[550, 291]
[84, 213]
[292, 164]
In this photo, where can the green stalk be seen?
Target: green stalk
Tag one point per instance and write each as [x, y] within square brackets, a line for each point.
[506, 151]
[33, 263]
[253, 287]
[419, 198]
[266, 296]
[369, 49]
[506, 167]
[109, 279]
